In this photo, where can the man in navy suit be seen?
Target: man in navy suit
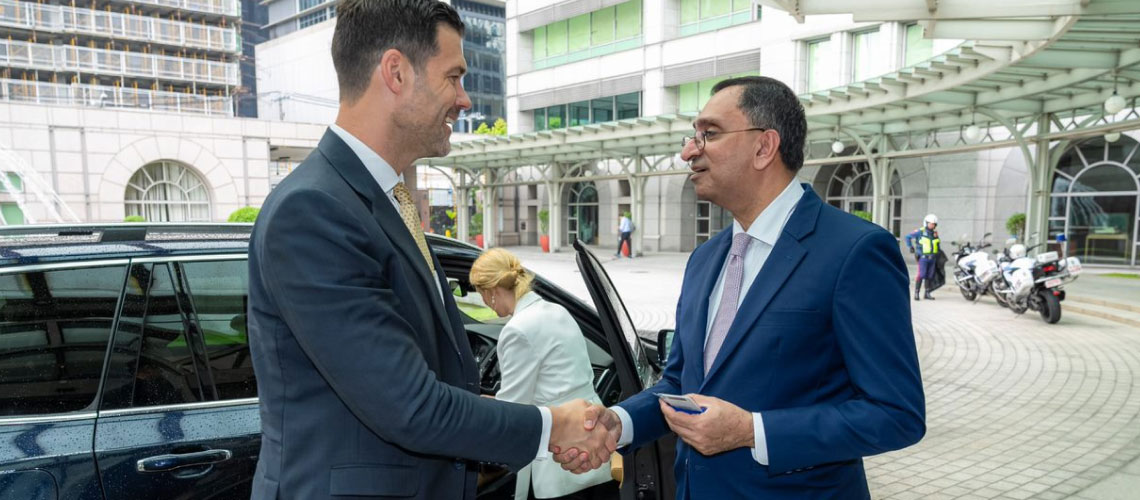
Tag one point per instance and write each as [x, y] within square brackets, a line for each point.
[793, 327]
[367, 384]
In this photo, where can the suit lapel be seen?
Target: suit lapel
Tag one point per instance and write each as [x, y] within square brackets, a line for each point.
[783, 260]
[349, 166]
[719, 251]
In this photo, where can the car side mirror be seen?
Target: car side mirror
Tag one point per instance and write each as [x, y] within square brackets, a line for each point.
[456, 289]
[664, 342]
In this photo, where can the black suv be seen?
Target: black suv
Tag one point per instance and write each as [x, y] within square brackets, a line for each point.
[125, 369]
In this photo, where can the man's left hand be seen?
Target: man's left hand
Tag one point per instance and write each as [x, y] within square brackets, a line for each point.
[723, 426]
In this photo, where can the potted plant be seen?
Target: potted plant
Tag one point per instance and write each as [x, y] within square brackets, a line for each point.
[543, 224]
[1015, 224]
[476, 228]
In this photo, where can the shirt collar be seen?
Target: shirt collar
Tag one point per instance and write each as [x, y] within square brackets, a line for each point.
[526, 300]
[381, 171]
[770, 223]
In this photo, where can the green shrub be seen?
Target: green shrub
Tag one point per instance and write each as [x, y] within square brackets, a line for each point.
[543, 221]
[862, 215]
[1015, 224]
[475, 227]
[244, 214]
[134, 218]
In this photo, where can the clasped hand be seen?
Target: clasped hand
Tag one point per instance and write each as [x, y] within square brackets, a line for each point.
[576, 442]
[723, 426]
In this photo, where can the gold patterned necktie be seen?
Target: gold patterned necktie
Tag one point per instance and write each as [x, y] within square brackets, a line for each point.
[411, 217]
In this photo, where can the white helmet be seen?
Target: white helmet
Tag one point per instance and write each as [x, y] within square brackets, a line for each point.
[1017, 251]
[930, 219]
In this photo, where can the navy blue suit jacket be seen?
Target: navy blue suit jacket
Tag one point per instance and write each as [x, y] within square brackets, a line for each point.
[822, 346]
[367, 383]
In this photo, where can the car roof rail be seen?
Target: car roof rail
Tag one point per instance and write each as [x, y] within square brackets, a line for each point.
[133, 231]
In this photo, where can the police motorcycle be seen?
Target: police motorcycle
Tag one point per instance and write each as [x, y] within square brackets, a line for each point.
[1034, 283]
[974, 270]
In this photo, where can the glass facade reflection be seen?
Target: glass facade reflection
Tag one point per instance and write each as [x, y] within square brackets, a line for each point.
[484, 47]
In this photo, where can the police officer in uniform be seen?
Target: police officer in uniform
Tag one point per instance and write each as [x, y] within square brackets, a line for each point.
[926, 253]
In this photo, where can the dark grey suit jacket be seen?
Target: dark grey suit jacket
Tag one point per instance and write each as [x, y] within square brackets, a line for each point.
[367, 383]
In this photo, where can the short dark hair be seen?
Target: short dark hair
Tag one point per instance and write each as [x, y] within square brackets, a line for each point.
[365, 29]
[770, 104]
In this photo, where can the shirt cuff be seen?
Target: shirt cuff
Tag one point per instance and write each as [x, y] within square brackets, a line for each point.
[626, 426]
[760, 451]
[544, 440]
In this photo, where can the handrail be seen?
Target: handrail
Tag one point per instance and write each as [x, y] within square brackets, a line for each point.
[104, 96]
[64, 19]
[14, 53]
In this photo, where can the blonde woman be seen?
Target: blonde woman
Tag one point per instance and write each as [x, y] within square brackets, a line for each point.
[542, 361]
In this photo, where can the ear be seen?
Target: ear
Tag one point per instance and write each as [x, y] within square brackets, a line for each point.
[767, 149]
[394, 71]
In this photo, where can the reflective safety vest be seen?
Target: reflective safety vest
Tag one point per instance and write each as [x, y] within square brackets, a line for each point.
[929, 246]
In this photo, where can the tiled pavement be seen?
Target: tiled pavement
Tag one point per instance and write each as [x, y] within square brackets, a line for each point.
[1016, 409]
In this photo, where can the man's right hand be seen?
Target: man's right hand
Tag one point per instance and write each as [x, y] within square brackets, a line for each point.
[579, 463]
[590, 447]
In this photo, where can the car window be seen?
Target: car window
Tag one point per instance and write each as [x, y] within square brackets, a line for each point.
[152, 360]
[54, 330]
[624, 325]
[219, 291]
[471, 304]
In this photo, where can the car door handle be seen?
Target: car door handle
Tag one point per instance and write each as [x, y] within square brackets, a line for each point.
[164, 463]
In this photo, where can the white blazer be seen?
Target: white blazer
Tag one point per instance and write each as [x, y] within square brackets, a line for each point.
[543, 361]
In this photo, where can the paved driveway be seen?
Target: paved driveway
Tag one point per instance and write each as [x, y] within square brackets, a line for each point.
[1015, 408]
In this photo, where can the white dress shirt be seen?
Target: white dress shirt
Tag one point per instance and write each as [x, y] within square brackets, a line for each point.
[765, 230]
[387, 179]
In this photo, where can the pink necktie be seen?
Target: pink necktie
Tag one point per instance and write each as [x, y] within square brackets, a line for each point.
[733, 279]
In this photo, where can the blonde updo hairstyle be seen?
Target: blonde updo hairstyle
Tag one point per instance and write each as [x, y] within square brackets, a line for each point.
[500, 268]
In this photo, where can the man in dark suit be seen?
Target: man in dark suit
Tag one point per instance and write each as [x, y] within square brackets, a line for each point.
[367, 383]
[793, 327]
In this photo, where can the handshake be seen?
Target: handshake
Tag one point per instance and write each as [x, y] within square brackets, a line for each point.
[583, 435]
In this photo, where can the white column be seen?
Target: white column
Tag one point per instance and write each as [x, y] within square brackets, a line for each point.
[881, 182]
[1037, 199]
[554, 206]
[462, 218]
[490, 209]
[637, 192]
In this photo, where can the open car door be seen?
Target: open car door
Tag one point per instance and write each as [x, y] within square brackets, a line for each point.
[648, 471]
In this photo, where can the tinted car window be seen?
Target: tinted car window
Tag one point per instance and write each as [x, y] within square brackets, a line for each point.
[54, 330]
[219, 293]
[153, 359]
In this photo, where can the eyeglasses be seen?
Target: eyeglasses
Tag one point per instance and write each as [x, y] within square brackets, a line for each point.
[702, 137]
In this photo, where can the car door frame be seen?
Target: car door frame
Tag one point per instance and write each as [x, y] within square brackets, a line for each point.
[651, 467]
[234, 411]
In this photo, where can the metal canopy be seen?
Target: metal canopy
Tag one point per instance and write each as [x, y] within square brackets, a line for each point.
[1090, 49]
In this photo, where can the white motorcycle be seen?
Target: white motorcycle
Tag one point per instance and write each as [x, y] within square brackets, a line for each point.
[1035, 282]
[974, 270]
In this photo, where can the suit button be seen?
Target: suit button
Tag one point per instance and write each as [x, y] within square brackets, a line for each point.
[458, 465]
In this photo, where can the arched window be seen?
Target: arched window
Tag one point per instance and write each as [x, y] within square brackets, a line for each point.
[582, 216]
[166, 191]
[1094, 202]
[851, 189]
